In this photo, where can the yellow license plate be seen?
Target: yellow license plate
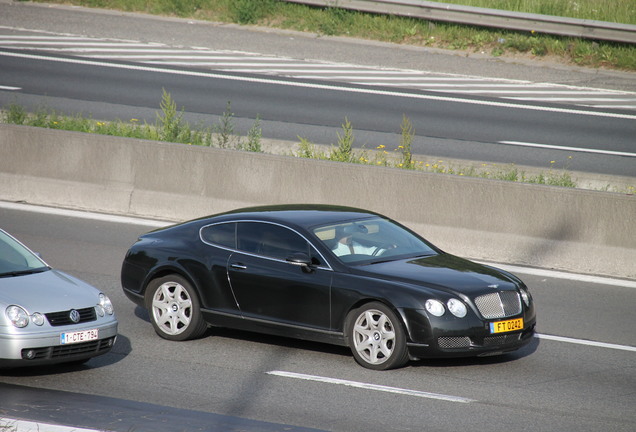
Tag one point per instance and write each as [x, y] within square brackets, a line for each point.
[506, 326]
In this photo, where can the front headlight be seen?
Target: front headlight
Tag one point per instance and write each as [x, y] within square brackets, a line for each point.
[17, 316]
[37, 319]
[106, 304]
[525, 295]
[457, 308]
[435, 307]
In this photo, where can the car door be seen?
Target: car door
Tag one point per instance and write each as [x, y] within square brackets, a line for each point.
[219, 242]
[269, 287]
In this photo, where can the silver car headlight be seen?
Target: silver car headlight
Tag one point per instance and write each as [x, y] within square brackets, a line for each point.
[435, 307]
[457, 308]
[37, 319]
[18, 316]
[105, 304]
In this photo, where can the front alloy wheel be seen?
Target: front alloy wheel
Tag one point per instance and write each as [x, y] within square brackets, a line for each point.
[174, 309]
[376, 337]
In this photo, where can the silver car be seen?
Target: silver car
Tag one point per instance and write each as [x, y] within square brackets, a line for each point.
[47, 316]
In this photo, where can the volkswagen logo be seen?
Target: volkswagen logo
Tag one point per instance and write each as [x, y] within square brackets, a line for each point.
[74, 316]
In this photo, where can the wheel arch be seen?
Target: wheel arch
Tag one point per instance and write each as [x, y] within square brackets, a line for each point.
[163, 271]
[363, 301]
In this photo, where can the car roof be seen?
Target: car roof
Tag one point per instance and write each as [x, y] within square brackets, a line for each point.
[303, 215]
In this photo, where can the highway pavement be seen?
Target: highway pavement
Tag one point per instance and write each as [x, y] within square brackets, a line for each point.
[578, 375]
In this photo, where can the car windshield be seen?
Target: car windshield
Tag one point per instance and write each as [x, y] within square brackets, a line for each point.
[371, 240]
[16, 259]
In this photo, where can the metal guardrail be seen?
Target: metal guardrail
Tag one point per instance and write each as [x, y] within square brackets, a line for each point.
[433, 11]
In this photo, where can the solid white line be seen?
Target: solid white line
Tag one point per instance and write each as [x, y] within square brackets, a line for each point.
[78, 44]
[330, 87]
[567, 99]
[586, 342]
[83, 215]
[374, 387]
[5, 38]
[530, 92]
[406, 76]
[564, 275]
[15, 425]
[9, 88]
[566, 148]
[158, 223]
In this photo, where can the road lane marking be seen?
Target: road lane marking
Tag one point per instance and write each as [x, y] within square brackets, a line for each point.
[586, 342]
[566, 148]
[84, 215]
[10, 88]
[328, 87]
[513, 269]
[14, 425]
[374, 387]
[159, 223]
[602, 280]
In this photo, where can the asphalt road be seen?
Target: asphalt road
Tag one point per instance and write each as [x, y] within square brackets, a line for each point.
[580, 375]
[232, 380]
[456, 126]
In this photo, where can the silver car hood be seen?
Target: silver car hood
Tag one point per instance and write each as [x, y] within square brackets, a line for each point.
[49, 291]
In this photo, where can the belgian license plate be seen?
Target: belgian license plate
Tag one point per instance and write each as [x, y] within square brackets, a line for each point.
[506, 326]
[79, 336]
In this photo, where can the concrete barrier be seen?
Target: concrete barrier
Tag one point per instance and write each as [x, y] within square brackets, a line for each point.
[550, 227]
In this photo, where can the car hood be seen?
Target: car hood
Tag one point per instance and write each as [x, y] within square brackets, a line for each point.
[48, 291]
[443, 272]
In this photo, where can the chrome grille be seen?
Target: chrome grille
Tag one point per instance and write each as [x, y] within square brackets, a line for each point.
[499, 305]
[454, 342]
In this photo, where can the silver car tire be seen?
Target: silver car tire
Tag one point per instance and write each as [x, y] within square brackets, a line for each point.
[376, 337]
[174, 308]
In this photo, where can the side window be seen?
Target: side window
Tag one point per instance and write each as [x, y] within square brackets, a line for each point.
[269, 240]
[221, 234]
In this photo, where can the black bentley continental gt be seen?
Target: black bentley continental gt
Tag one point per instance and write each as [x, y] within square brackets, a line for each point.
[331, 274]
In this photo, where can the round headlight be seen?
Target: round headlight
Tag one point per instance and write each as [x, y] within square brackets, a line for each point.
[525, 295]
[37, 318]
[457, 308]
[435, 307]
[17, 316]
[104, 302]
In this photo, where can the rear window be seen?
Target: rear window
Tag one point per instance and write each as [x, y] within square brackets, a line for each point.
[220, 234]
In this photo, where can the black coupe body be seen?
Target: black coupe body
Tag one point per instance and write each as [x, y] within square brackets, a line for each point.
[330, 274]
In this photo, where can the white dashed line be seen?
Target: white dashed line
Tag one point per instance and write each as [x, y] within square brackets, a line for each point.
[374, 387]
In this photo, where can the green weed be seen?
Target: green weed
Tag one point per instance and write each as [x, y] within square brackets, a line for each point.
[170, 123]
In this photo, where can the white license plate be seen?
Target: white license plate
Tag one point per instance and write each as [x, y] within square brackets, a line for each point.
[80, 336]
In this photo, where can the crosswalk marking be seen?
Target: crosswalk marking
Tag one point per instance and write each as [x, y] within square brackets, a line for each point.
[254, 63]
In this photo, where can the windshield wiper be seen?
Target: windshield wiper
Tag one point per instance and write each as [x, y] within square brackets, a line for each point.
[400, 257]
[24, 272]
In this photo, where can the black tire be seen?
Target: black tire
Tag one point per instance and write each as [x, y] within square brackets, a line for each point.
[174, 308]
[376, 337]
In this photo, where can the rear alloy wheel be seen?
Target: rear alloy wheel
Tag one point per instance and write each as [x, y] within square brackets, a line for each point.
[376, 337]
[174, 309]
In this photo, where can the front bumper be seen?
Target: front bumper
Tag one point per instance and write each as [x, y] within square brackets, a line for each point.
[43, 347]
[472, 346]
[447, 336]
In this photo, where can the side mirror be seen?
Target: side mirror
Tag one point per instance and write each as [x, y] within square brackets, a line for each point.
[300, 259]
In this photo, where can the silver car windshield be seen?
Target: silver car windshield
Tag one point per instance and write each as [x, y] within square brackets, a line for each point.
[16, 259]
[371, 240]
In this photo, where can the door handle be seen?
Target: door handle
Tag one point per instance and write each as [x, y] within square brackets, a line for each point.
[238, 266]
